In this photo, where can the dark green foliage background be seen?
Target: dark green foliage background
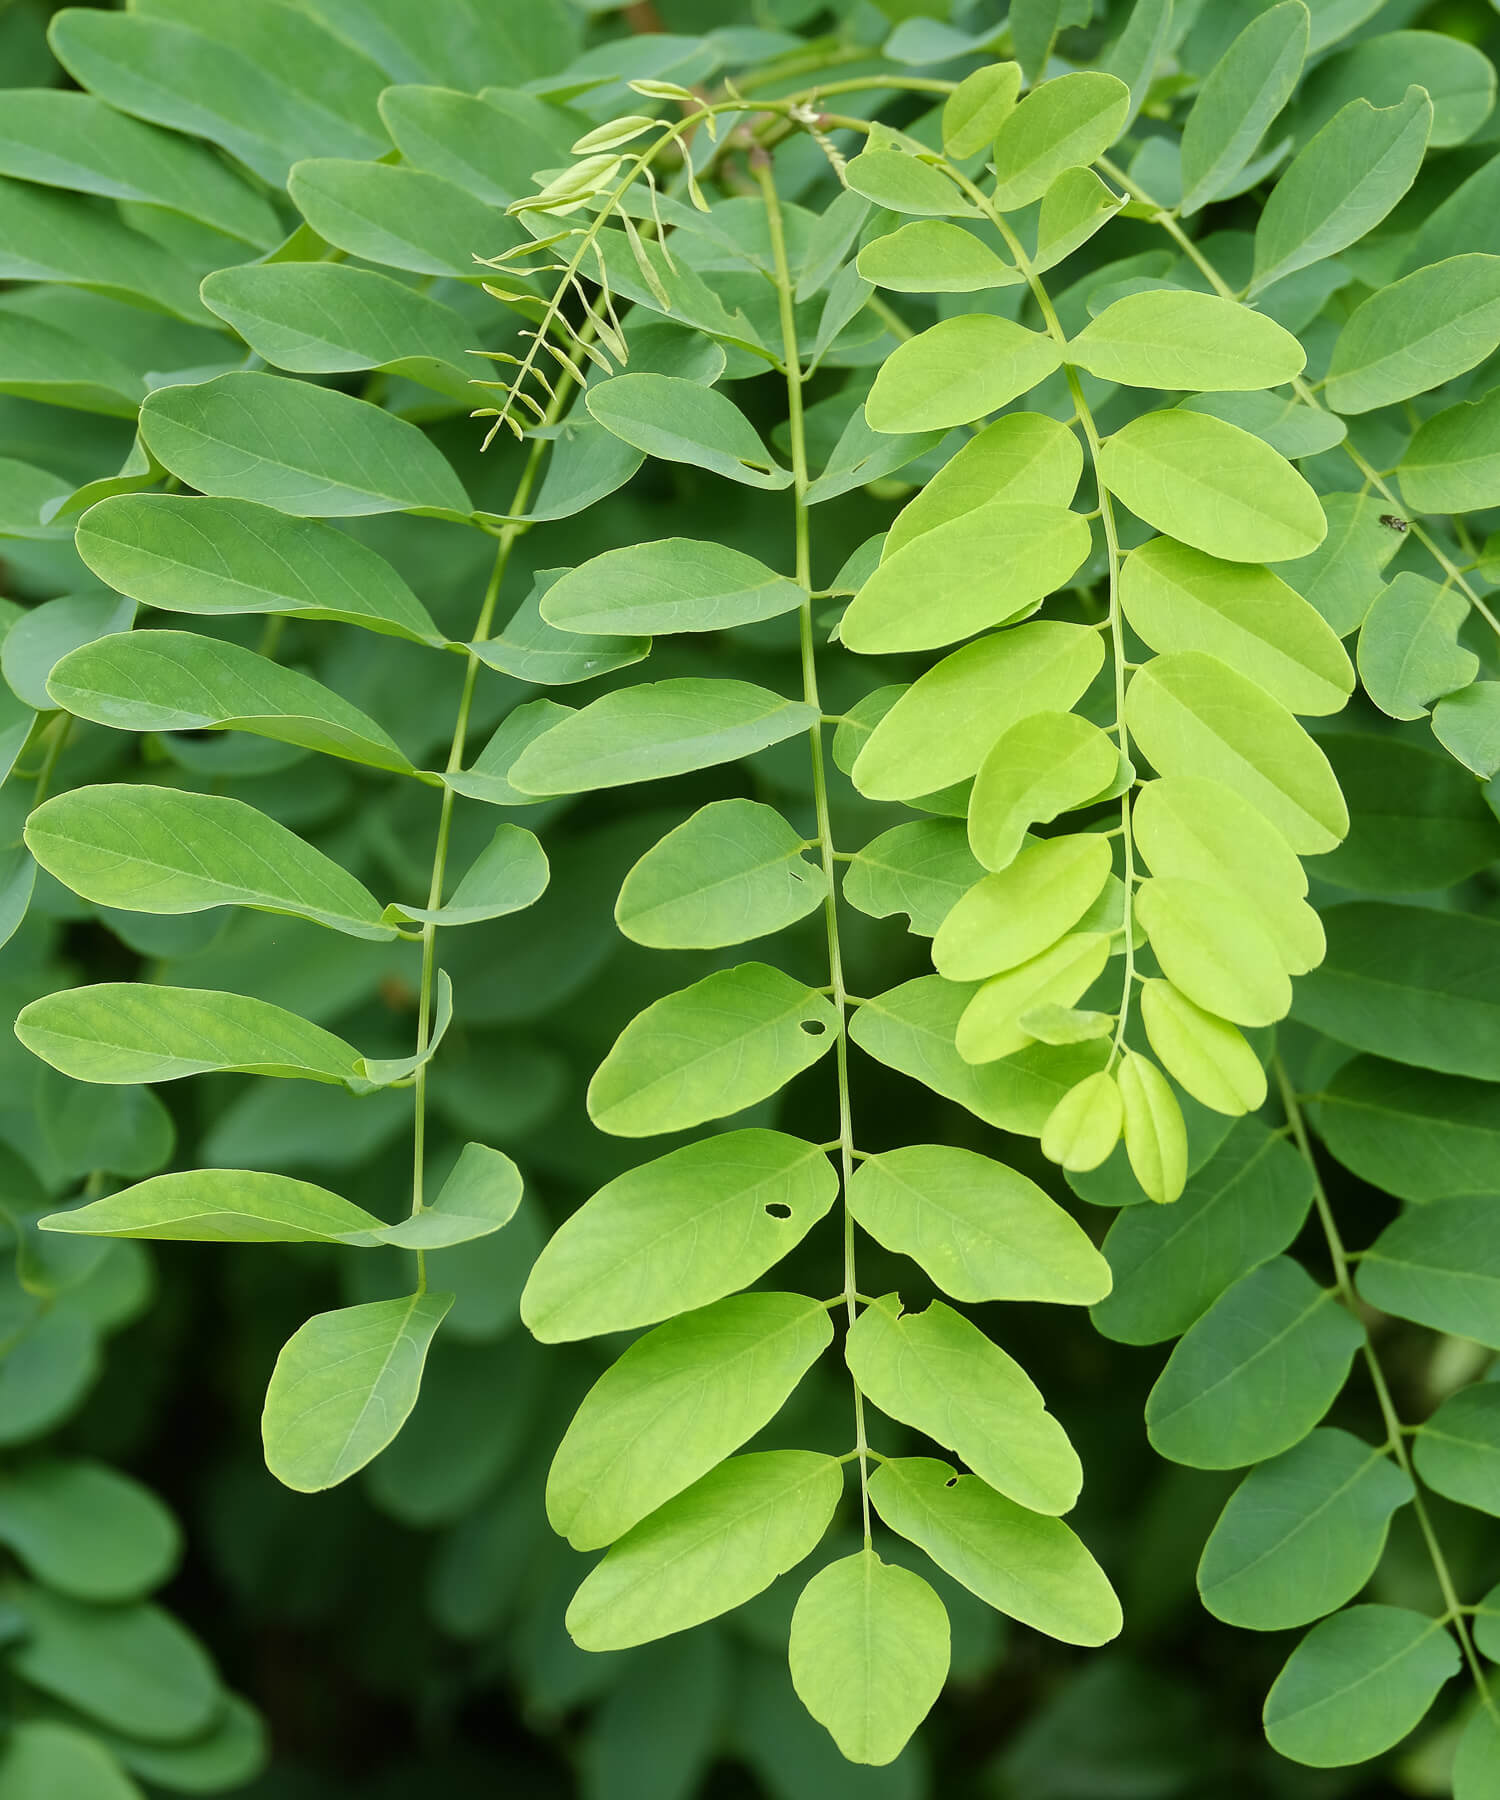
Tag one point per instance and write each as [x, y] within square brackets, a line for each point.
[403, 1634]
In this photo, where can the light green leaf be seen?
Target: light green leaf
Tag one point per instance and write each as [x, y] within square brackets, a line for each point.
[533, 651]
[869, 1654]
[1177, 598]
[1342, 576]
[1074, 207]
[1459, 78]
[903, 183]
[1417, 1135]
[991, 1023]
[862, 456]
[44, 1757]
[1452, 463]
[934, 257]
[911, 1029]
[39, 362]
[41, 638]
[1256, 1373]
[1048, 763]
[1202, 1052]
[1340, 185]
[344, 1385]
[947, 722]
[711, 1049]
[735, 870]
[489, 778]
[223, 1206]
[1007, 919]
[1193, 716]
[507, 875]
[87, 1531]
[974, 112]
[1086, 1124]
[678, 1233]
[1211, 945]
[1021, 457]
[1478, 1757]
[683, 421]
[1024, 1564]
[304, 449]
[26, 492]
[1135, 53]
[177, 681]
[676, 584]
[1240, 96]
[716, 1545]
[1214, 486]
[324, 318]
[401, 217]
[1162, 339]
[657, 729]
[674, 1405]
[480, 1195]
[1409, 654]
[921, 868]
[1062, 124]
[1357, 1684]
[1458, 1448]
[956, 371]
[1418, 984]
[935, 1371]
[1416, 334]
[1302, 1534]
[129, 1032]
[1153, 1128]
[158, 850]
[230, 556]
[982, 1231]
[1440, 1266]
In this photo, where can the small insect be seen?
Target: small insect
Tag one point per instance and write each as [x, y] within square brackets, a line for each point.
[1395, 524]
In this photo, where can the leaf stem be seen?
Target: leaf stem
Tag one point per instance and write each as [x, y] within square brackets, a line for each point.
[761, 164]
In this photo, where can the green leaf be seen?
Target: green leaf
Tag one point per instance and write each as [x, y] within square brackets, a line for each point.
[911, 1029]
[400, 217]
[974, 112]
[674, 1405]
[28, 491]
[586, 463]
[73, 140]
[676, 584]
[735, 870]
[158, 850]
[935, 1371]
[946, 723]
[1409, 654]
[1176, 598]
[678, 1233]
[869, 1654]
[1342, 576]
[683, 421]
[1161, 339]
[1007, 919]
[958, 370]
[344, 1385]
[39, 362]
[1452, 463]
[87, 1531]
[1290, 427]
[1256, 1373]
[269, 86]
[1063, 123]
[229, 556]
[1302, 1534]
[1357, 1684]
[1459, 78]
[1340, 185]
[481, 1194]
[325, 318]
[489, 778]
[132, 1669]
[934, 257]
[42, 1756]
[1048, 763]
[1075, 206]
[1024, 1564]
[1169, 1264]
[922, 869]
[1417, 1135]
[1240, 96]
[1439, 1265]
[991, 1023]
[982, 1231]
[1416, 334]
[1477, 1757]
[177, 681]
[1213, 486]
[657, 729]
[1021, 457]
[903, 183]
[711, 1049]
[716, 1545]
[507, 875]
[1458, 1449]
[1212, 947]
[1153, 1128]
[489, 145]
[63, 238]
[304, 449]
[223, 1206]
[1416, 984]
[533, 651]
[122, 1031]
[1417, 820]
[1467, 724]
[1193, 716]
[42, 637]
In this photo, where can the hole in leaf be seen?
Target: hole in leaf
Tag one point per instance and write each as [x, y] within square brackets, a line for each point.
[952, 1481]
[813, 1027]
[779, 1210]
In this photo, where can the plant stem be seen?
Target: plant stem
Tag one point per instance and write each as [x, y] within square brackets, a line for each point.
[792, 358]
[1395, 1430]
